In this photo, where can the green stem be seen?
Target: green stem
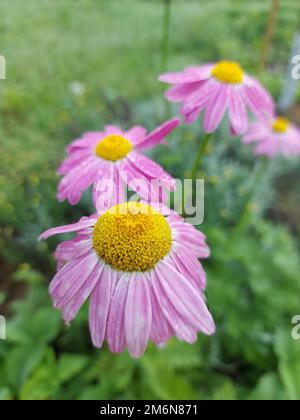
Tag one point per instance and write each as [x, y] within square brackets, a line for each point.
[194, 170]
[245, 218]
[200, 155]
[268, 37]
[165, 46]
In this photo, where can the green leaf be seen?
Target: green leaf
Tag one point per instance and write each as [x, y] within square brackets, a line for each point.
[42, 327]
[43, 384]
[70, 365]
[226, 392]
[5, 394]
[20, 363]
[268, 388]
[288, 350]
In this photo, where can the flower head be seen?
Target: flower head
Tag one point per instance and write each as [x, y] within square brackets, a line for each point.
[216, 89]
[278, 136]
[113, 155]
[139, 265]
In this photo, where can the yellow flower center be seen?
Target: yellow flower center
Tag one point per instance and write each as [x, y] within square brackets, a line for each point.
[132, 237]
[281, 125]
[113, 147]
[228, 72]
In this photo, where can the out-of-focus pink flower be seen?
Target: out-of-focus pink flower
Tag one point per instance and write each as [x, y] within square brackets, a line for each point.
[216, 89]
[113, 155]
[274, 137]
[139, 265]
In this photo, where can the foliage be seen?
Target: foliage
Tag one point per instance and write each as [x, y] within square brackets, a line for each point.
[74, 69]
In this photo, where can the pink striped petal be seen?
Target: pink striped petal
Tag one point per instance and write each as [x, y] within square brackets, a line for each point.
[192, 116]
[158, 135]
[160, 207]
[192, 239]
[237, 111]
[189, 75]
[74, 248]
[190, 268]
[83, 223]
[258, 100]
[152, 169]
[139, 182]
[64, 287]
[216, 109]
[88, 141]
[78, 180]
[116, 318]
[138, 315]
[182, 92]
[100, 304]
[136, 134]
[255, 133]
[67, 270]
[73, 160]
[161, 330]
[177, 222]
[109, 190]
[192, 244]
[72, 307]
[186, 299]
[113, 129]
[201, 97]
[262, 97]
[182, 328]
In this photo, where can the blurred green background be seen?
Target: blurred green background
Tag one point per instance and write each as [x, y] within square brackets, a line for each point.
[74, 66]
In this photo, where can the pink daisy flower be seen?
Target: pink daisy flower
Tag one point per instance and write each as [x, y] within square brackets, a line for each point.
[216, 89]
[139, 265]
[113, 155]
[274, 137]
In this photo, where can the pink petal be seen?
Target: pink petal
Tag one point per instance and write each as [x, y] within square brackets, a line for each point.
[189, 75]
[75, 248]
[72, 307]
[116, 317]
[113, 129]
[237, 111]
[192, 239]
[75, 227]
[88, 141]
[182, 328]
[258, 100]
[190, 268]
[256, 132]
[78, 180]
[157, 135]
[73, 160]
[192, 244]
[160, 207]
[136, 134]
[152, 169]
[200, 98]
[161, 330]
[100, 304]
[216, 109]
[182, 92]
[192, 116]
[69, 268]
[65, 286]
[262, 96]
[109, 190]
[138, 315]
[139, 182]
[186, 299]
